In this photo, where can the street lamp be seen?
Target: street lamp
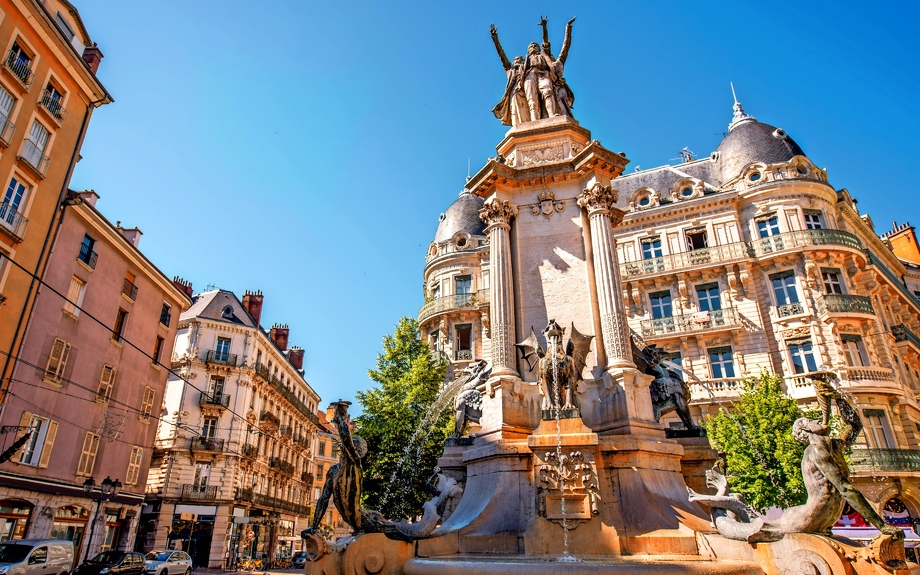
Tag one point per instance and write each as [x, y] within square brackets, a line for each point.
[106, 491]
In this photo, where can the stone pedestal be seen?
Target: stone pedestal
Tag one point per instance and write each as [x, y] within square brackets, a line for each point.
[698, 458]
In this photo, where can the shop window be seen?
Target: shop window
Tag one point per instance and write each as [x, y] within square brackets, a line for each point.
[14, 518]
[70, 525]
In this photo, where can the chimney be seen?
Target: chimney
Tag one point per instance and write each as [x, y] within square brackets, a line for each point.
[330, 412]
[252, 303]
[92, 56]
[89, 197]
[279, 333]
[295, 356]
[133, 235]
[184, 286]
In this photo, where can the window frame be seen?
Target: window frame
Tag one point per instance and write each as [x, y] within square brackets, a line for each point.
[74, 302]
[831, 278]
[794, 285]
[59, 363]
[797, 350]
[121, 322]
[106, 383]
[650, 242]
[724, 365]
[88, 454]
[147, 405]
[709, 298]
[134, 465]
[813, 219]
[659, 308]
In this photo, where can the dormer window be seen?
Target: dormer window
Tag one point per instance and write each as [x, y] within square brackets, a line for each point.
[227, 312]
[686, 192]
[645, 201]
[64, 27]
[755, 176]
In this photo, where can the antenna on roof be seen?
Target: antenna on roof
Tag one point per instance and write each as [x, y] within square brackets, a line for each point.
[734, 97]
[738, 116]
[468, 178]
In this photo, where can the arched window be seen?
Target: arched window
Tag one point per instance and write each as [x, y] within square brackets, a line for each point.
[14, 518]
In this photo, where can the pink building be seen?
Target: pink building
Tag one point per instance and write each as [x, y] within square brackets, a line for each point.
[88, 393]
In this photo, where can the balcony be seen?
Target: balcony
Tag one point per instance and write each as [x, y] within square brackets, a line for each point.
[307, 477]
[262, 371]
[208, 444]
[803, 239]
[866, 374]
[873, 460]
[249, 451]
[709, 389]
[88, 256]
[790, 309]
[683, 260]
[720, 319]
[216, 400]
[281, 466]
[903, 334]
[270, 419]
[301, 442]
[293, 400]
[463, 355]
[846, 304]
[54, 105]
[199, 493]
[276, 503]
[450, 303]
[221, 357]
[244, 494]
[286, 431]
[12, 221]
[129, 290]
[34, 158]
[6, 131]
[21, 68]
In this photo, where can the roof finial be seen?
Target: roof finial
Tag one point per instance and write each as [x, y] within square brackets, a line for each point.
[739, 116]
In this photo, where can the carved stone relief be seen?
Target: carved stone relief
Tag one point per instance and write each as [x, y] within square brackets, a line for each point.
[568, 480]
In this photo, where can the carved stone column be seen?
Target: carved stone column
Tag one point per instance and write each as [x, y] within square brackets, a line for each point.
[497, 215]
[599, 201]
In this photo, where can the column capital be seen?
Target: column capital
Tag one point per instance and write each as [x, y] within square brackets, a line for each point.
[599, 198]
[498, 212]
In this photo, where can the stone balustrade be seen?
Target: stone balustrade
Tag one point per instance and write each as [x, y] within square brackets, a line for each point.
[451, 303]
[690, 323]
[829, 304]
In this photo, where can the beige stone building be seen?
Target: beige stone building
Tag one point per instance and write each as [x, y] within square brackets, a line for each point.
[745, 260]
[231, 475]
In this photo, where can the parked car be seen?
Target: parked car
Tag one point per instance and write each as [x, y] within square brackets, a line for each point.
[168, 562]
[299, 559]
[113, 563]
[36, 557]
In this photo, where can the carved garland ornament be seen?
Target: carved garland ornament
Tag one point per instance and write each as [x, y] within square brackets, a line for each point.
[598, 198]
[497, 212]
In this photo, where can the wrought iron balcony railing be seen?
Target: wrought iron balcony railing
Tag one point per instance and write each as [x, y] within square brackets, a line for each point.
[207, 444]
[281, 465]
[804, 238]
[54, 105]
[221, 357]
[294, 400]
[301, 441]
[129, 289]
[896, 281]
[88, 256]
[6, 131]
[12, 220]
[249, 451]
[21, 68]
[696, 322]
[844, 303]
[681, 260]
[286, 431]
[790, 309]
[885, 460]
[199, 493]
[451, 303]
[34, 157]
[307, 477]
[463, 355]
[262, 371]
[214, 400]
[902, 333]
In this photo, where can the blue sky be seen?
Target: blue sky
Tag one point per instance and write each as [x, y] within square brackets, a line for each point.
[307, 148]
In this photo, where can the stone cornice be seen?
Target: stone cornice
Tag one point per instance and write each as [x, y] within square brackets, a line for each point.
[594, 158]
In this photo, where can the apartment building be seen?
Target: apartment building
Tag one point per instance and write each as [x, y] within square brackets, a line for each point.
[232, 470]
[86, 391]
[48, 92]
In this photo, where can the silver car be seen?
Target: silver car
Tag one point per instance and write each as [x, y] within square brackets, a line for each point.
[36, 557]
[168, 562]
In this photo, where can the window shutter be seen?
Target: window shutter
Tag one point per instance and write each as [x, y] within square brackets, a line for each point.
[73, 295]
[134, 466]
[88, 455]
[57, 361]
[147, 405]
[49, 443]
[106, 383]
[24, 422]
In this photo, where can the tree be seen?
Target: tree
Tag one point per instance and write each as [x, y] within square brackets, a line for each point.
[402, 452]
[755, 434]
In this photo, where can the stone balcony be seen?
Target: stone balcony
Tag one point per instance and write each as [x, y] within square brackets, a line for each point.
[198, 493]
[800, 386]
[740, 251]
[847, 305]
[903, 336]
[453, 303]
[217, 401]
[207, 444]
[886, 460]
[700, 322]
[709, 390]
[685, 260]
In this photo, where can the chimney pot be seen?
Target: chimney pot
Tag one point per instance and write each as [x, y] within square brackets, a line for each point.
[279, 334]
[184, 286]
[295, 356]
[93, 56]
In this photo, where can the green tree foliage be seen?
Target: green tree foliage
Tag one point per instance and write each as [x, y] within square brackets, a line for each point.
[755, 434]
[400, 461]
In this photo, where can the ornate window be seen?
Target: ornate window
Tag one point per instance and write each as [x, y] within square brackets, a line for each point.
[708, 296]
[661, 304]
[801, 356]
[721, 362]
[854, 350]
[813, 219]
[831, 279]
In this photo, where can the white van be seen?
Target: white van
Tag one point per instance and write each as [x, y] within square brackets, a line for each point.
[36, 557]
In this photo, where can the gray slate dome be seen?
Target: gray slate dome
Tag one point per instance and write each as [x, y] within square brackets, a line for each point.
[462, 215]
[750, 141]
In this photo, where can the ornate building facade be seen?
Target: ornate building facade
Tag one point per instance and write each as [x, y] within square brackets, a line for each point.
[742, 261]
[232, 473]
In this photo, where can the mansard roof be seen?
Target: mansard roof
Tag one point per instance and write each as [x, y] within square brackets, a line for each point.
[462, 215]
[752, 141]
[211, 305]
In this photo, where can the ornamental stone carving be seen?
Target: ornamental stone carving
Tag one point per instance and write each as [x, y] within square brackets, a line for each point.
[548, 204]
[497, 212]
[542, 155]
[567, 492]
[598, 198]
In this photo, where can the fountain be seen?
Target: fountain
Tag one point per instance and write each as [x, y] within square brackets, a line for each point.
[569, 469]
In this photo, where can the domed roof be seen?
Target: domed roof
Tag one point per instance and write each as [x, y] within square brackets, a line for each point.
[462, 215]
[750, 141]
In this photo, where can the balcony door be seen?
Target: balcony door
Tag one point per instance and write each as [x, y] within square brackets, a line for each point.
[202, 473]
[12, 200]
[878, 432]
[6, 106]
[38, 135]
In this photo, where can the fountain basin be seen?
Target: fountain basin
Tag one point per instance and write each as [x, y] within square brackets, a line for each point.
[459, 565]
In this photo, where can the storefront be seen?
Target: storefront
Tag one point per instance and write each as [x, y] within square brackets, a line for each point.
[192, 533]
[14, 518]
[286, 540]
[70, 524]
[113, 530]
